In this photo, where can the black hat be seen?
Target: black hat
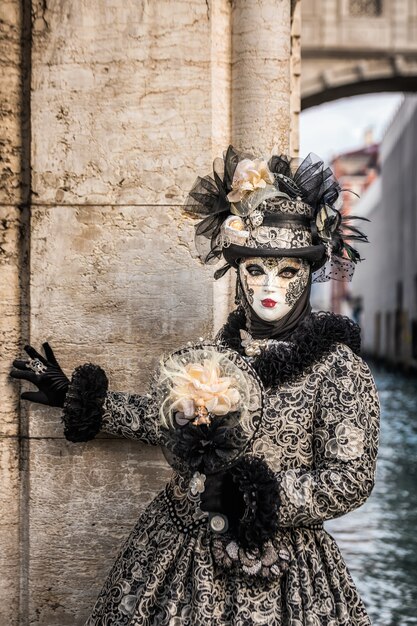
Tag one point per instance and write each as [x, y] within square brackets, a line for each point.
[283, 207]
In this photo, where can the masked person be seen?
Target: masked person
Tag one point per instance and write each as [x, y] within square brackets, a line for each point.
[245, 544]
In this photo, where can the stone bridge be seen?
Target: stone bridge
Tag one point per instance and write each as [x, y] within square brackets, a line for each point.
[350, 47]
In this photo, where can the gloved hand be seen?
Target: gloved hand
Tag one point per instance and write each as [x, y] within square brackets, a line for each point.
[222, 495]
[248, 495]
[45, 373]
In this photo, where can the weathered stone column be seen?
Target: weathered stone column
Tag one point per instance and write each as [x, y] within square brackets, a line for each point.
[130, 101]
[14, 190]
[261, 48]
[295, 67]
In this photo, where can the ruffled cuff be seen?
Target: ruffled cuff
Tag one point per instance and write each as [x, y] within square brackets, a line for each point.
[84, 402]
[256, 482]
[252, 545]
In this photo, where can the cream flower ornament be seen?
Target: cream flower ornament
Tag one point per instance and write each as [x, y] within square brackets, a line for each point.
[233, 230]
[202, 385]
[210, 402]
[248, 177]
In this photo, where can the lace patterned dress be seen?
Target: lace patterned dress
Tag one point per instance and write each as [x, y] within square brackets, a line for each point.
[319, 434]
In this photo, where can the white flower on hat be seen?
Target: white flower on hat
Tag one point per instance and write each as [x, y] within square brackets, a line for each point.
[248, 177]
[233, 230]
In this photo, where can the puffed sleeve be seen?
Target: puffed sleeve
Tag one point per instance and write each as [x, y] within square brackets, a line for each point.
[90, 408]
[345, 446]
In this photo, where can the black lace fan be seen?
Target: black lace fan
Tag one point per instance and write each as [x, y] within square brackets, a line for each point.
[214, 443]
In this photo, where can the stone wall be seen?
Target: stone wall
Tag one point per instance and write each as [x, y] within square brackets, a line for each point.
[128, 102]
[13, 258]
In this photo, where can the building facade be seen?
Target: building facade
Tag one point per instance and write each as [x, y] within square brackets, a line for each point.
[387, 282]
[355, 171]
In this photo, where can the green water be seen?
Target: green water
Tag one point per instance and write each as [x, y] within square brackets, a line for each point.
[379, 540]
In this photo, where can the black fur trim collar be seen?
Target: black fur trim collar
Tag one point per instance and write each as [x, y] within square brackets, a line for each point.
[311, 340]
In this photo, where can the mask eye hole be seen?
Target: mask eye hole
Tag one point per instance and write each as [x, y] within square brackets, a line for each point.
[255, 270]
[288, 272]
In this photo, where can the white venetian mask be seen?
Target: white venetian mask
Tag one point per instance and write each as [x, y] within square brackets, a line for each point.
[272, 285]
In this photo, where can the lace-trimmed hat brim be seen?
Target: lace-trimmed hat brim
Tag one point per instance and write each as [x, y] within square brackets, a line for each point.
[314, 254]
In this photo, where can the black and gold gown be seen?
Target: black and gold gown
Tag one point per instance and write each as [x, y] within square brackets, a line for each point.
[319, 434]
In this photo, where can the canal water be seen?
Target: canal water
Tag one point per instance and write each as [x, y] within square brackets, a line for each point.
[379, 540]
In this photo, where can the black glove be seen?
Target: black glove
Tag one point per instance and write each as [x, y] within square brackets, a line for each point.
[248, 495]
[222, 495]
[45, 373]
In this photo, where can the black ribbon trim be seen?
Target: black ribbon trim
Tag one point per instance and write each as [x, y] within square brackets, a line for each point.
[315, 239]
[281, 219]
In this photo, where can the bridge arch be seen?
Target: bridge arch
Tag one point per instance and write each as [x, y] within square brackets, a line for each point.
[352, 79]
[352, 47]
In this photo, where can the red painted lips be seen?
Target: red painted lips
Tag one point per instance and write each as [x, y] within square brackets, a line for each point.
[268, 303]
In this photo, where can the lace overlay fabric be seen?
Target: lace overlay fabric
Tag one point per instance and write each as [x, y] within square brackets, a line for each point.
[276, 237]
[319, 434]
[132, 416]
[269, 237]
[335, 269]
[291, 207]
